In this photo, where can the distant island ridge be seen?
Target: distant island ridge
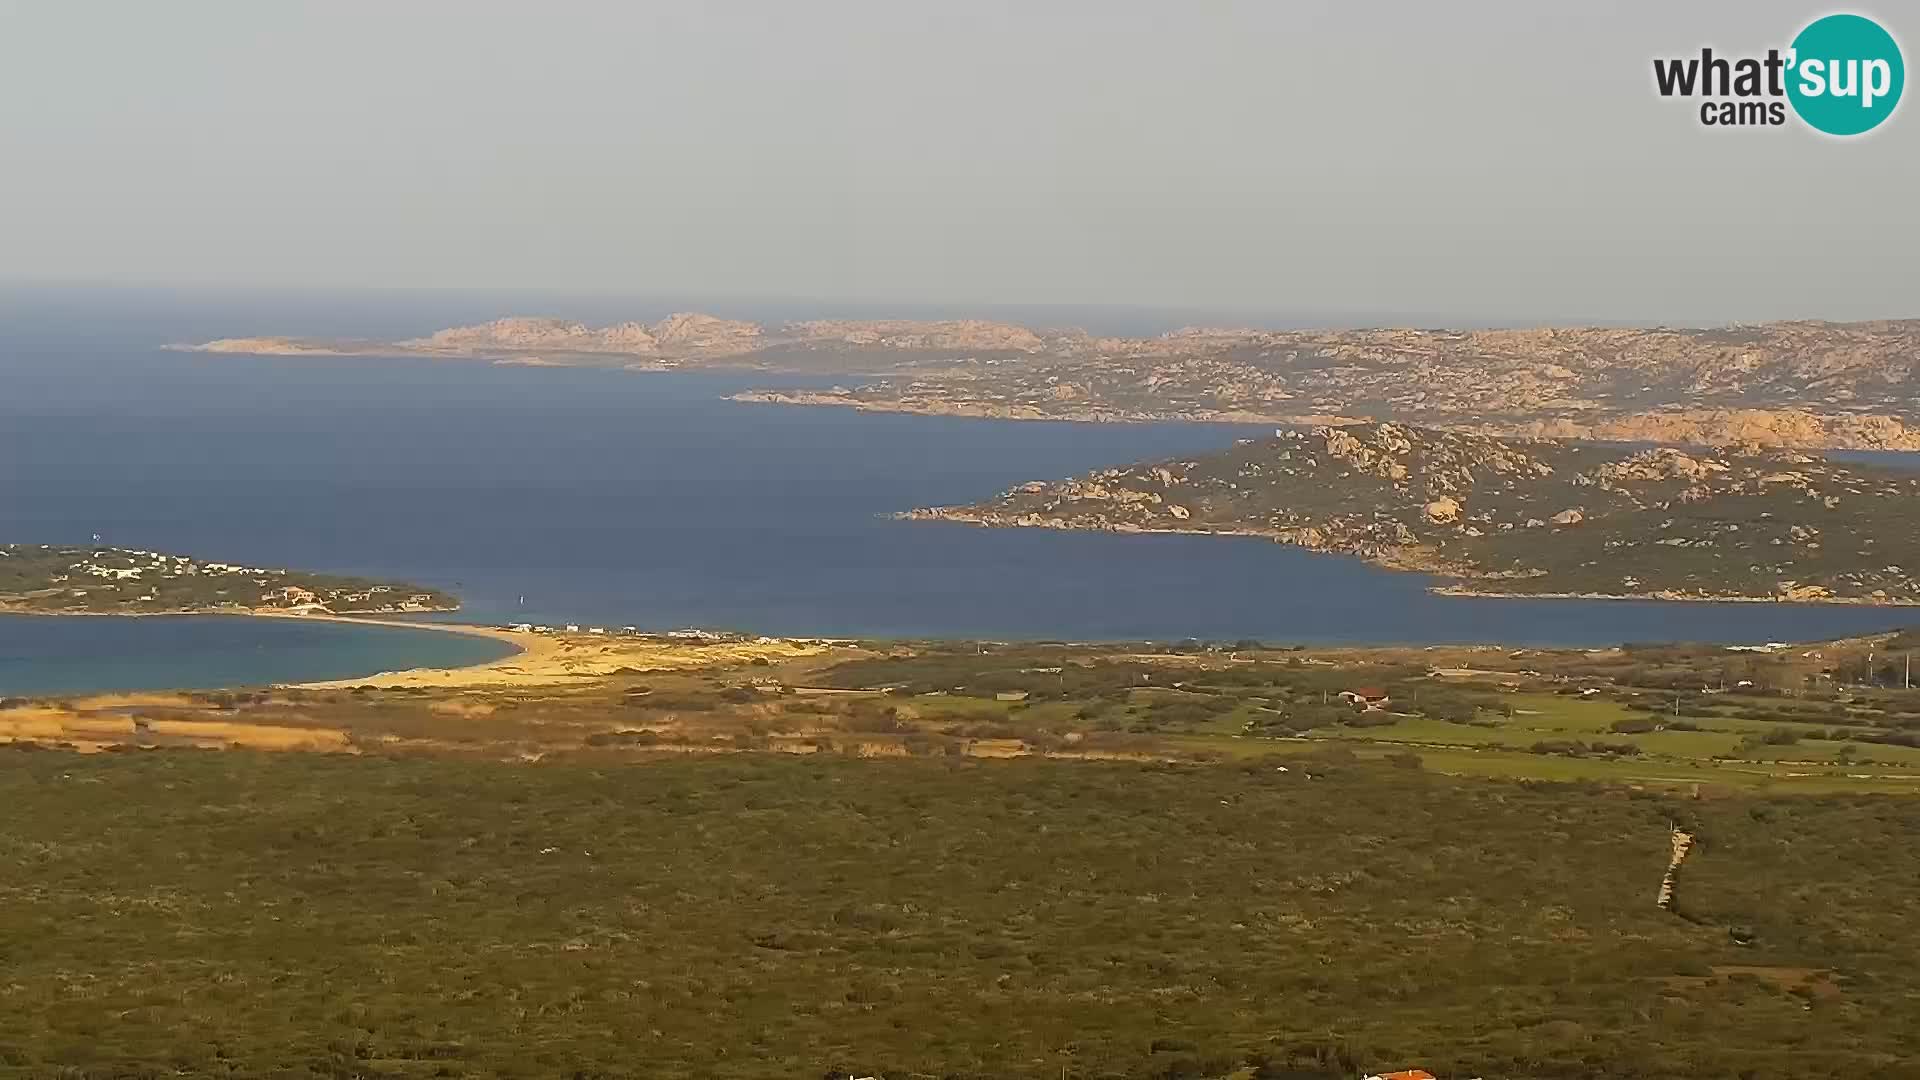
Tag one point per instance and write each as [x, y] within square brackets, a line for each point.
[1808, 384]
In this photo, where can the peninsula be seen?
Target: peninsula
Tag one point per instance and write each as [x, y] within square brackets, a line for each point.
[688, 340]
[47, 579]
[1809, 385]
[1531, 517]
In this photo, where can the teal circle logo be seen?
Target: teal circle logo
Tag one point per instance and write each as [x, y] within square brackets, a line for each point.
[1845, 74]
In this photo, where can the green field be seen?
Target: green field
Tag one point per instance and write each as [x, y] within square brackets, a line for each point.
[1509, 734]
[1719, 752]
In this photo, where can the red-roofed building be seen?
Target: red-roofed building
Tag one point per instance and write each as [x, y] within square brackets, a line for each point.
[1370, 698]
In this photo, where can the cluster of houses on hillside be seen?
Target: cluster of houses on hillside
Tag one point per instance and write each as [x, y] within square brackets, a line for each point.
[99, 578]
[113, 566]
[299, 600]
[102, 564]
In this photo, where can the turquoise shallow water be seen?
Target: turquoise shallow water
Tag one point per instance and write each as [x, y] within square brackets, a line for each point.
[53, 655]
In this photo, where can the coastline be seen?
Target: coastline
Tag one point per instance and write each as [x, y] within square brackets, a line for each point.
[348, 656]
[570, 659]
[757, 361]
[378, 349]
[383, 619]
[1030, 412]
[1519, 427]
[1827, 601]
[1831, 433]
[1458, 587]
[526, 647]
[567, 661]
[386, 618]
[537, 660]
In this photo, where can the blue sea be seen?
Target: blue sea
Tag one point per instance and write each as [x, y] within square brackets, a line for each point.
[51, 655]
[623, 498]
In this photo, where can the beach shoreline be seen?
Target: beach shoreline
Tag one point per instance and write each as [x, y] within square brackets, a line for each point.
[387, 619]
[371, 653]
[528, 648]
[546, 660]
[1824, 601]
[551, 660]
[232, 612]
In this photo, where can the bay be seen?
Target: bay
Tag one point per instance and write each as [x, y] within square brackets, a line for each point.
[622, 498]
[61, 655]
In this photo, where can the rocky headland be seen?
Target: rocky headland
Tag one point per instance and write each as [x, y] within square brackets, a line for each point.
[1533, 517]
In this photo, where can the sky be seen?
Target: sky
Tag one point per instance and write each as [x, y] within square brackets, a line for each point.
[1496, 160]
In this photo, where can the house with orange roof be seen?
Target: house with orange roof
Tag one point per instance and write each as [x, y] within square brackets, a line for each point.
[1369, 698]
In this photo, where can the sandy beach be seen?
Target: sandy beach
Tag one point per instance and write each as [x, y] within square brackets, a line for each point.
[562, 659]
[543, 662]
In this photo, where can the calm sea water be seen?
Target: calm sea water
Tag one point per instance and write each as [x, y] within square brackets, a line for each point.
[45, 655]
[616, 498]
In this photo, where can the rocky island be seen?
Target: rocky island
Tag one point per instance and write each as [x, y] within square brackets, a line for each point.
[93, 580]
[1521, 516]
[1796, 384]
[684, 339]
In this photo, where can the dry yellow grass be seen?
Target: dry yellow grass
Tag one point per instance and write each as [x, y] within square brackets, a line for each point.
[52, 724]
[87, 730]
[557, 660]
[251, 736]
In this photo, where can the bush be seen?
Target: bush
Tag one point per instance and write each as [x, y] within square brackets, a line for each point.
[1576, 748]
[872, 719]
[1452, 710]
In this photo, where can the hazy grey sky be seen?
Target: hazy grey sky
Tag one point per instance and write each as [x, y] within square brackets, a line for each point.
[1481, 159]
